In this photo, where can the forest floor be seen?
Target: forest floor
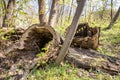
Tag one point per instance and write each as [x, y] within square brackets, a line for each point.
[109, 45]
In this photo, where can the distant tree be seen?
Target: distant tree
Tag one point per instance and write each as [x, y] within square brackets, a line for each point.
[69, 18]
[114, 19]
[42, 11]
[52, 15]
[2, 11]
[111, 9]
[103, 8]
[71, 33]
[8, 13]
[62, 12]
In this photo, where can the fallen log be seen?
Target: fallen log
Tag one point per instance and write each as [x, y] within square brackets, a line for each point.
[38, 44]
[91, 59]
[35, 38]
[38, 36]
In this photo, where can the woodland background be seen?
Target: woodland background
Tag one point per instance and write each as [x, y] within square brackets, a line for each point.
[16, 14]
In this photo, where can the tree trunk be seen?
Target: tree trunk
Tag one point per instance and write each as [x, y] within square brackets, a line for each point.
[52, 15]
[104, 8]
[71, 32]
[111, 15]
[91, 59]
[69, 18]
[41, 11]
[114, 19]
[2, 11]
[8, 14]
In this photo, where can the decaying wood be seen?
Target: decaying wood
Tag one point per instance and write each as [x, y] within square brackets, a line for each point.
[91, 59]
[86, 36]
[35, 38]
[25, 50]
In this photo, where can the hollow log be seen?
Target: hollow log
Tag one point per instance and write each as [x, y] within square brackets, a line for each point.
[91, 59]
[39, 36]
[38, 44]
[35, 38]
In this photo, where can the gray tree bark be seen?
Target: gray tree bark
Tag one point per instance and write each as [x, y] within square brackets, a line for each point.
[41, 11]
[71, 33]
[69, 18]
[8, 14]
[52, 15]
[111, 9]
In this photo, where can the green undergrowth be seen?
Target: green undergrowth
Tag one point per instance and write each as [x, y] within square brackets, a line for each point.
[109, 45]
[110, 41]
[67, 72]
[4, 35]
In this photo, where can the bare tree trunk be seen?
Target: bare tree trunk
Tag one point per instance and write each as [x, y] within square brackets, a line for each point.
[8, 13]
[71, 33]
[61, 15]
[111, 9]
[104, 8]
[114, 19]
[58, 14]
[70, 11]
[41, 11]
[52, 15]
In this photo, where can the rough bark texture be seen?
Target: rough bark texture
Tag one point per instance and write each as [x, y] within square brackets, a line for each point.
[52, 15]
[8, 14]
[41, 11]
[114, 19]
[91, 59]
[71, 33]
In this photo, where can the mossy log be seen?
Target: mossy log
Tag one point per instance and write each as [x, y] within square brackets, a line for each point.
[91, 59]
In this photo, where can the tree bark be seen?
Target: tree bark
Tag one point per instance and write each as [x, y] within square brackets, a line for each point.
[71, 33]
[111, 9]
[91, 59]
[114, 19]
[52, 15]
[8, 14]
[69, 18]
[41, 11]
